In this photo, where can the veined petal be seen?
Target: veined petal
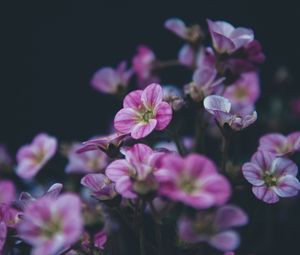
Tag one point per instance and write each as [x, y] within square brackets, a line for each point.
[152, 95]
[265, 194]
[117, 169]
[163, 115]
[133, 100]
[124, 187]
[217, 103]
[253, 173]
[143, 129]
[125, 120]
[287, 186]
[284, 166]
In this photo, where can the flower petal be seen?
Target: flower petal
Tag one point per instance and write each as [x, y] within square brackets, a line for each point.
[230, 216]
[177, 26]
[253, 173]
[284, 166]
[186, 55]
[152, 95]
[217, 103]
[117, 169]
[265, 194]
[124, 187]
[125, 120]
[143, 129]
[225, 241]
[93, 181]
[163, 115]
[263, 159]
[287, 186]
[133, 100]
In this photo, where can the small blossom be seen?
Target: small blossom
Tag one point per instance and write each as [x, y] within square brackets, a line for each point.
[135, 173]
[193, 180]
[173, 96]
[88, 162]
[5, 158]
[111, 81]
[7, 192]
[224, 113]
[143, 111]
[102, 188]
[244, 91]
[51, 225]
[226, 38]
[272, 177]
[214, 228]
[32, 157]
[279, 144]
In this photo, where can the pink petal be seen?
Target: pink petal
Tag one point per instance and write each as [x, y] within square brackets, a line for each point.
[273, 143]
[288, 186]
[177, 26]
[117, 169]
[125, 120]
[225, 241]
[230, 216]
[124, 187]
[241, 36]
[186, 55]
[105, 80]
[265, 194]
[263, 159]
[143, 129]
[253, 173]
[284, 166]
[152, 95]
[294, 139]
[133, 100]
[199, 166]
[93, 181]
[138, 152]
[163, 115]
[54, 190]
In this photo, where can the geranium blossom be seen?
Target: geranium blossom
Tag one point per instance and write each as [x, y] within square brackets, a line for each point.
[279, 144]
[214, 229]
[272, 177]
[193, 180]
[143, 111]
[111, 81]
[32, 157]
[221, 108]
[51, 225]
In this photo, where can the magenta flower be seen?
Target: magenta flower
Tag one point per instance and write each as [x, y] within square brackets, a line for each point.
[32, 157]
[226, 38]
[244, 91]
[7, 192]
[102, 188]
[143, 111]
[88, 162]
[215, 229]
[173, 96]
[51, 225]
[272, 177]
[135, 173]
[279, 144]
[193, 180]
[111, 81]
[221, 108]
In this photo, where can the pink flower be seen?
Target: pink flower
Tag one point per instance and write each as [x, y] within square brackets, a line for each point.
[279, 144]
[111, 81]
[7, 192]
[102, 188]
[226, 38]
[193, 181]
[51, 225]
[272, 177]
[32, 157]
[142, 65]
[244, 91]
[214, 228]
[221, 108]
[88, 162]
[144, 111]
[135, 173]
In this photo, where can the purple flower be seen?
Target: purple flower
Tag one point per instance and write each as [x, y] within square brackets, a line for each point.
[173, 96]
[279, 144]
[215, 228]
[221, 108]
[226, 38]
[111, 81]
[102, 188]
[135, 173]
[32, 157]
[193, 180]
[88, 162]
[143, 111]
[245, 91]
[51, 225]
[7, 192]
[272, 177]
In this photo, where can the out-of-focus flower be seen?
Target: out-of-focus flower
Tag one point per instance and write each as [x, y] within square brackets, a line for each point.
[279, 144]
[193, 180]
[272, 177]
[51, 225]
[32, 157]
[5, 158]
[134, 174]
[229, 253]
[142, 65]
[221, 108]
[188, 143]
[100, 239]
[215, 228]
[7, 192]
[187, 55]
[173, 96]
[102, 188]
[111, 81]
[295, 105]
[244, 91]
[226, 38]
[88, 162]
[143, 111]
[192, 33]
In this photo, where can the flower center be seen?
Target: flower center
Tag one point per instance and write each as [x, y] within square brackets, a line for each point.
[51, 229]
[241, 93]
[270, 179]
[147, 115]
[187, 184]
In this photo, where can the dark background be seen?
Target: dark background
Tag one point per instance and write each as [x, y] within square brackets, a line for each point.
[50, 49]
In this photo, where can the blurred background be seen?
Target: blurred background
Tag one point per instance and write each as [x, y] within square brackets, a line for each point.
[50, 49]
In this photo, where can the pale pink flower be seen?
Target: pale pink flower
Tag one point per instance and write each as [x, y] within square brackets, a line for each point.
[221, 108]
[143, 111]
[226, 38]
[111, 81]
[32, 157]
[214, 228]
[279, 144]
[272, 177]
[7, 192]
[134, 174]
[51, 225]
[244, 91]
[193, 180]
[88, 162]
